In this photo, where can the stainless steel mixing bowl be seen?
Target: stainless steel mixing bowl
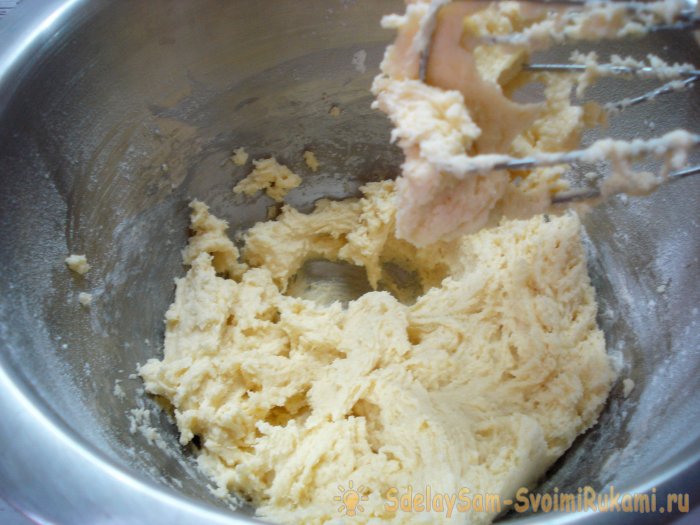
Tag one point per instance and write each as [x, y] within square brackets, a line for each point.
[114, 114]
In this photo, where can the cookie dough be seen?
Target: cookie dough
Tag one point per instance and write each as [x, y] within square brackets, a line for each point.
[77, 264]
[459, 117]
[85, 299]
[464, 109]
[479, 379]
[311, 161]
[239, 157]
[269, 175]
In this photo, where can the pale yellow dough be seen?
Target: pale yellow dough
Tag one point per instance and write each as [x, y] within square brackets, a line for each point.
[77, 264]
[85, 299]
[456, 118]
[465, 109]
[311, 161]
[482, 381]
[239, 157]
[269, 175]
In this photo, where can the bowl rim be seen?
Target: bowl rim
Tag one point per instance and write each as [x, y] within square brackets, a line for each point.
[97, 486]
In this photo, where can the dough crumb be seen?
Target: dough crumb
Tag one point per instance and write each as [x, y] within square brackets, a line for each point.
[276, 179]
[239, 157]
[118, 391]
[78, 264]
[140, 422]
[311, 160]
[627, 386]
[335, 111]
[85, 299]
[358, 61]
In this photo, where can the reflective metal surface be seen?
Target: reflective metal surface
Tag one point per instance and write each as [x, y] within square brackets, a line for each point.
[114, 114]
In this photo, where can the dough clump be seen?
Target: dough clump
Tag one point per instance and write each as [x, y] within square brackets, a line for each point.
[481, 379]
[269, 175]
[77, 264]
[311, 161]
[463, 108]
[239, 157]
[457, 119]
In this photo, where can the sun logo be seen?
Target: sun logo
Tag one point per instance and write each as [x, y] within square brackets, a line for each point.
[351, 499]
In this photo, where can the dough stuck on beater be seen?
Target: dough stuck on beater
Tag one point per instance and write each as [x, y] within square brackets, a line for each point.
[447, 85]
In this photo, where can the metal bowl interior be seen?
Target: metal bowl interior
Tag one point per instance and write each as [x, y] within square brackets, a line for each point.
[114, 115]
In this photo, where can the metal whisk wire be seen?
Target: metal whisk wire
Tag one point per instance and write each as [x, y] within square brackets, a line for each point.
[687, 20]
